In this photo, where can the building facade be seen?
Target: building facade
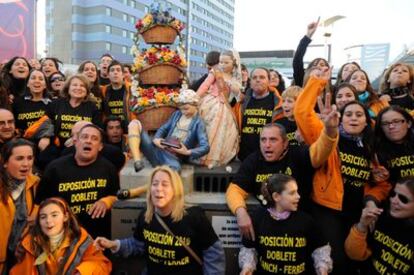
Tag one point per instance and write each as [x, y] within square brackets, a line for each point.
[78, 30]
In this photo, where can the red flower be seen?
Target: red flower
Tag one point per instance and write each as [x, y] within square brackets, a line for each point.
[139, 24]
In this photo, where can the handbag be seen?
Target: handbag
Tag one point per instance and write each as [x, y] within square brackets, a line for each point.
[189, 250]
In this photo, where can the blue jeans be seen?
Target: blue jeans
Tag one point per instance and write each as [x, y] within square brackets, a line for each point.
[157, 156]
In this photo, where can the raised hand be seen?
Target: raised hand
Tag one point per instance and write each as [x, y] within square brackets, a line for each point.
[312, 28]
[368, 217]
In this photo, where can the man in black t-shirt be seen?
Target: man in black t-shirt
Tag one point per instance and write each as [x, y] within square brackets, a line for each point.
[259, 107]
[114, 93]
[85, 180]
[275, 156]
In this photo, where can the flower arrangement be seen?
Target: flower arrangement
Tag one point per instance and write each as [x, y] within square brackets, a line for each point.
[158, 16]
[153, 97]
[158, 55]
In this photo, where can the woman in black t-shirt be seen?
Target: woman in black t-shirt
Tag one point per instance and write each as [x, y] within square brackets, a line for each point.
[395, 142]
[390, 245]
[13, 77]
[74, 106]
[168, 253]
[285, 239]
[397, 86]
[29, 108]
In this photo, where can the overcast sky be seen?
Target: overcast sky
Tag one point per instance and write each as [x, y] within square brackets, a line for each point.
[280, 24]
[277, 24]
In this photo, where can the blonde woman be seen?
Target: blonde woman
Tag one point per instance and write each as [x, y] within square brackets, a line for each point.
[174, 238]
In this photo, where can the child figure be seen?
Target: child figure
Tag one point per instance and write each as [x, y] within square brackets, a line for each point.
[181, 138]
[222, 85]
[56, 244]
[289, 97]
[285, 239]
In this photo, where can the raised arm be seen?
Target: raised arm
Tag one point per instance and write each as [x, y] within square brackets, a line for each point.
[298, 70]
[308, 122]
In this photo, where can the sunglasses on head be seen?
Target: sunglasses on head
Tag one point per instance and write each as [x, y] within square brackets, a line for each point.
[403, 199]
[57, 79]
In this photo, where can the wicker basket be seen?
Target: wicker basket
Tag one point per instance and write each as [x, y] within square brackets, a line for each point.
[160, 34]
[160, 74]
[152, 118]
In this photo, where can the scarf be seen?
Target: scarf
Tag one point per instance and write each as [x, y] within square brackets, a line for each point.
[55, 242]
[363, 97]
[397, 91]
[279, 216]
[357, 139]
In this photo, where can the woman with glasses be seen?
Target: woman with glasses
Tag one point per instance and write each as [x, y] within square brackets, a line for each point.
[56, 83]
[390, 246]
[395, 142]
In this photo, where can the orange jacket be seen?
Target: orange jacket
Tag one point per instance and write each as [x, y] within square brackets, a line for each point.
[7, 211]
[239, 108]
[328, 189]
[91, 261]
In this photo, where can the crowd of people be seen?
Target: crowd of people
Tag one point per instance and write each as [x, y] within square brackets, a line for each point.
[331, 165]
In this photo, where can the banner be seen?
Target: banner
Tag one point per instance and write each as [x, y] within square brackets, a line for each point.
[17, 28]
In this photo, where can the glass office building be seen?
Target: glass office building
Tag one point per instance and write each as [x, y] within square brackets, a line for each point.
[77, 30]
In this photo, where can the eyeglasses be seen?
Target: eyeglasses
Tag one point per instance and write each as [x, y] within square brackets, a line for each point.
[403, 199]
[57, 79]
[395, 122]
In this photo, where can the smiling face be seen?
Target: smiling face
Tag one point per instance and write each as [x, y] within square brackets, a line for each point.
[343, 96]
[354, 120]
[272, 144]
[288, 199]
[162, 192]
[399, 76]
[20, 163]
[52, 219]
[359, 81]
[49, 67]
[77, 89]
[402, 202]
[36, 83]
[19, 69]
[395, 126]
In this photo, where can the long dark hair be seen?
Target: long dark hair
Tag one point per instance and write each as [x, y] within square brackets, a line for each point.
[95, 88]
[40, 241]
[381, 139]
[373, 97]
[8, 82]
[368, 133]
[339, 79]
[6, 153]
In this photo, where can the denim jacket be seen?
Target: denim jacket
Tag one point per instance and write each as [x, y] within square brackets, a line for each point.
[196, 140]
